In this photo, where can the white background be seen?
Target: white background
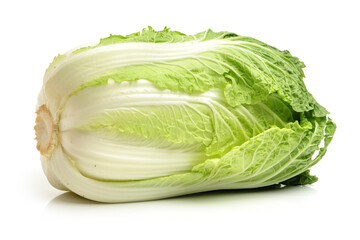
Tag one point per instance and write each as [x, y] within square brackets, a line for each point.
[323, 34]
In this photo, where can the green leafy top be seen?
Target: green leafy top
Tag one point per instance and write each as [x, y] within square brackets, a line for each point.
[149, 35]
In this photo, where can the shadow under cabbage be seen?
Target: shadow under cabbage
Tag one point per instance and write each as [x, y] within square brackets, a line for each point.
[69, 198]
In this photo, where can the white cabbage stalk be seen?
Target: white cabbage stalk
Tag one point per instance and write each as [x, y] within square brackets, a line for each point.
[160, 114]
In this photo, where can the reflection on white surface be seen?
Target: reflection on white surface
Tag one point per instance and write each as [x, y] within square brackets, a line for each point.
[267, 199]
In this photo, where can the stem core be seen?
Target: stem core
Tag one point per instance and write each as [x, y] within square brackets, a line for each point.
[44, 130]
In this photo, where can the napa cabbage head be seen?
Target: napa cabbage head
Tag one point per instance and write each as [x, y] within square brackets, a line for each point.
[157, 114]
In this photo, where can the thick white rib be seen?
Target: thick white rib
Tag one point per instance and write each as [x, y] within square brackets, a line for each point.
[96, 100]
[69, 73]
[110, 191]
[101, 156]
